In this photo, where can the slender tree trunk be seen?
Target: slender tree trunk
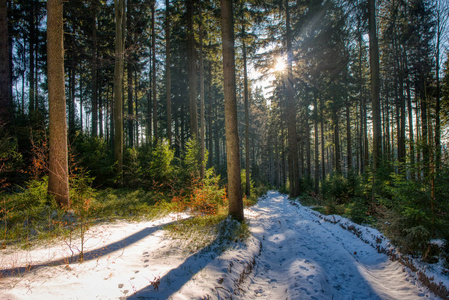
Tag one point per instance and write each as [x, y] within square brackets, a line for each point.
[209, 115]
[246, 99]
[317, 154]
[58, 180]
[72, 101]
[130, 62]
[375, 85]
[291, 112]
[32, 42]
[424, 127]
[192, 70]
[232, 134]
[323, 161]
[153, 45]
[130, 103]
[6, 111]
[120, 18]
[81, 103]
[307, 142]
[217, 138]
[439, 28]
[348, 135]
[202, 106]
[337, 161]
[94, 71]
[168, 71]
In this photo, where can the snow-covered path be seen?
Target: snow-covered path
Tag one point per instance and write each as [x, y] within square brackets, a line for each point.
[304, 257]
[292, 254]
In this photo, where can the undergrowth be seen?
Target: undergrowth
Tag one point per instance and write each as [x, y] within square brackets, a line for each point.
[412, 212]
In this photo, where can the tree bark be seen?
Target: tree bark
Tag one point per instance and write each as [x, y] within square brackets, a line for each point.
[291, 112]
[154, 86]
[168, 71]
[58, 182]
[94, 71]
[317, 154]
[32, 45]
[246, 99]
[202, 117]
[130, 117]
[118, 82]
[232, 135]
[192, 70]
[6, 112]
[375, 85]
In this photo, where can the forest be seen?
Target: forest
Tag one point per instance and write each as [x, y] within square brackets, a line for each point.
[126, 109]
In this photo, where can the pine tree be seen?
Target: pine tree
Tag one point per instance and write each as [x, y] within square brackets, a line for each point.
[229, 88]
[58, 183]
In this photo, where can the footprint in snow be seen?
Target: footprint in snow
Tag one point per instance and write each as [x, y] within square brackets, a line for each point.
[305, 291]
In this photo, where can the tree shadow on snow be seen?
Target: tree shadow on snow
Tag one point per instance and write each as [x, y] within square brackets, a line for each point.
[175, 279]
[89, 255]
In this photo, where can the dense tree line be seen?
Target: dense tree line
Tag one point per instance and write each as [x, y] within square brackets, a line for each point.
[359, 99]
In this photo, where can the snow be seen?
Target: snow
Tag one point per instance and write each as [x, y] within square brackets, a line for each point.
[293, 253]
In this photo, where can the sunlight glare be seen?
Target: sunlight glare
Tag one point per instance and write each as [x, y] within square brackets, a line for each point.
[280, 65]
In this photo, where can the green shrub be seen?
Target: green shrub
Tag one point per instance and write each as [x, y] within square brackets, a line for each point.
[93, 155]
[408, 219]
[161, 167]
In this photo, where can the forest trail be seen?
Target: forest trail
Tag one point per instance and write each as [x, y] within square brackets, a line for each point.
[304, 257]
[292, 253]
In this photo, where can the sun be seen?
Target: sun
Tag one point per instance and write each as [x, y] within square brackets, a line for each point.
[280, 64]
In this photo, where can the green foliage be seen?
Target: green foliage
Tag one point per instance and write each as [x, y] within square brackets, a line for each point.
[415, 213]
[132, 168]
[161, 167]
[192, 158]
[93, 154]
[31, 215]
[243, 178]
[11, 161]
[339, 188]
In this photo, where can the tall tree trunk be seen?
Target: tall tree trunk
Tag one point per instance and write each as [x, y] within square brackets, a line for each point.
[94, 71]
[72, 100]
[424, 126]
[202, 118]
[81, 102]
[217, 138]
[246, 99]
[375, 85]
[337, 161]
[192, 70]
[154, 85]
[209, 114]
[323, 161]
[32, 43]
[168, 71]
[130, 62]
[130, 103]
[232, 133]
[291, 111]
[120, 18]
[6, 111]
[58, 180]
[348, 135]
[307, 144]
[441, 22]
[317, 154]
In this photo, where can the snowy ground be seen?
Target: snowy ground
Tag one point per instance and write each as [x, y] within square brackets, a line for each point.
[293, 253]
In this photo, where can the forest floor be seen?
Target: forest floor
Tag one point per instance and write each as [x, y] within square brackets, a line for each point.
[293, 252]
